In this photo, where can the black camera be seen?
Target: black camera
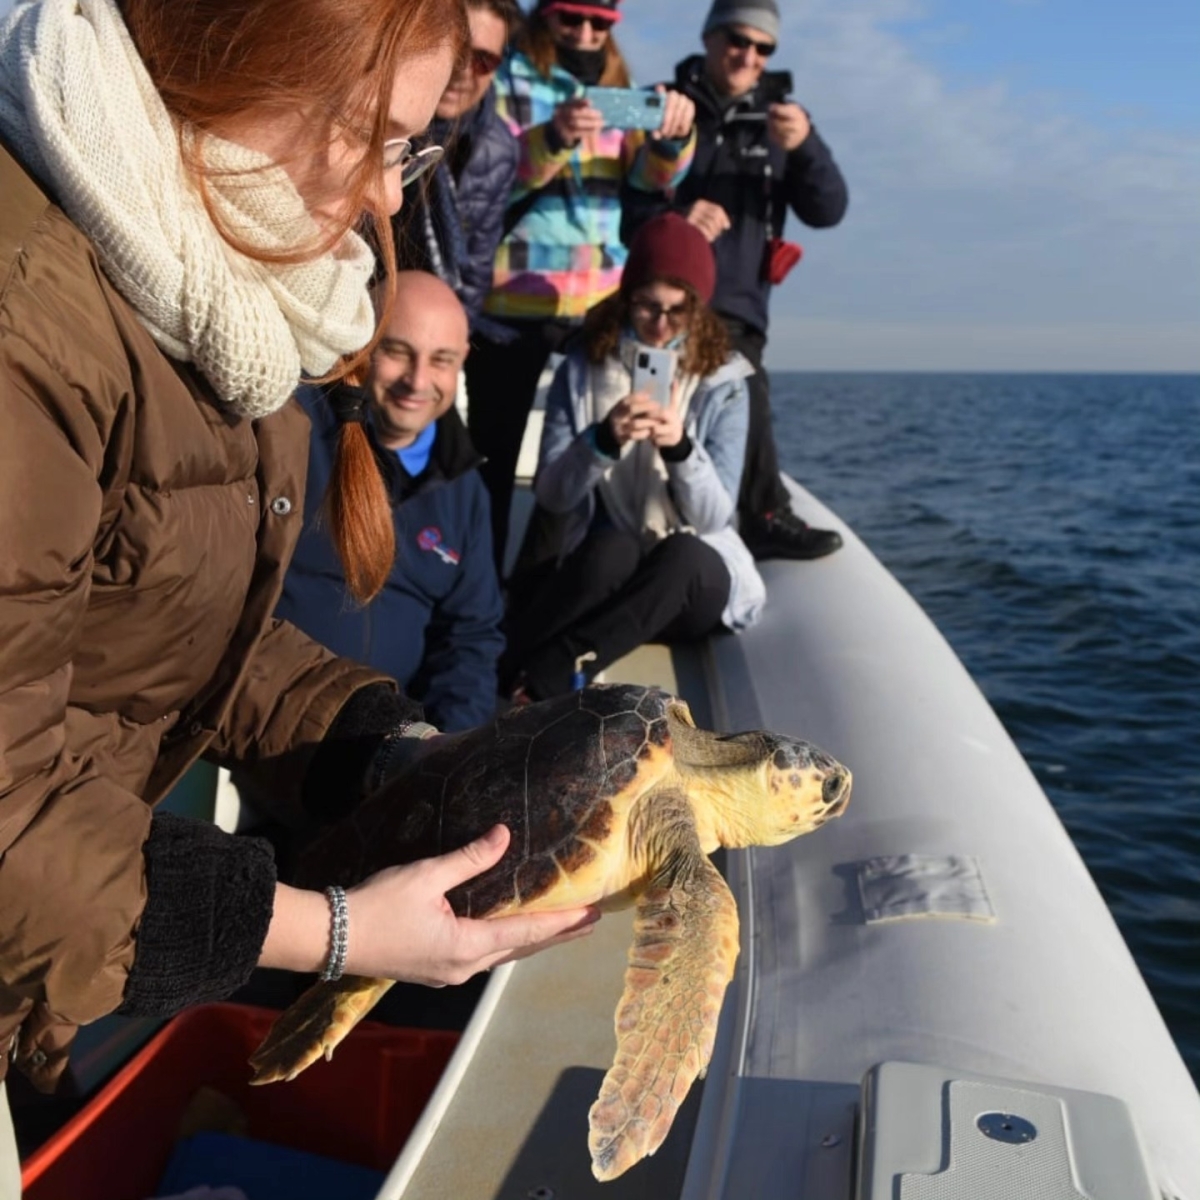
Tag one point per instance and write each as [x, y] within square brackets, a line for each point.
[777, 87]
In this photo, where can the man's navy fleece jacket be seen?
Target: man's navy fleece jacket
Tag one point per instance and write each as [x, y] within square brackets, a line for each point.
[435, 627]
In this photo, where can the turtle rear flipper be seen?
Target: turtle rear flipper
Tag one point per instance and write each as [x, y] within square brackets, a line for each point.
[313, 1026]
[685, 946]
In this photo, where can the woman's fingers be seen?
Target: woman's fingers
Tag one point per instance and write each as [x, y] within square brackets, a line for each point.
[679, 114]
[473, 859]
[507, 939]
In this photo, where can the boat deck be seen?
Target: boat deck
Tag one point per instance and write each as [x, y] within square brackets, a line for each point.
[986, 952]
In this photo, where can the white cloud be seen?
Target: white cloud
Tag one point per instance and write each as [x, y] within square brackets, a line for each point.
[971, 207]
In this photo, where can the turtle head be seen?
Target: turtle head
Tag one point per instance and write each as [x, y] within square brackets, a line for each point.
[761, 789]
[781, 788]
[803, 787]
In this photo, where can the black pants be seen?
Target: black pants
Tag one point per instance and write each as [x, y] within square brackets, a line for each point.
[609, 597]
[762, 490]
[501, 385]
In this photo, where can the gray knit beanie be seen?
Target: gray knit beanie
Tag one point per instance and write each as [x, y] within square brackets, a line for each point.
[762, 15]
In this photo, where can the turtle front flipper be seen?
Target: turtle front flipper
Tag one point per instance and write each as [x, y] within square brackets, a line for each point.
[684, 950]
[314, 1026]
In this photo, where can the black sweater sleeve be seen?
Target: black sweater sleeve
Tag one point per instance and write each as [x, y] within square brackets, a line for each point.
[210, 895]
[813, 183]
[209, 901]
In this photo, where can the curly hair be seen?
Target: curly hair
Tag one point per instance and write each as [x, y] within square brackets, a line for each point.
[705, 350]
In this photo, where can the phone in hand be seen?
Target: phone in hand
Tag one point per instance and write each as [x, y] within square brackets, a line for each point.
[627, 108]
[654, 373]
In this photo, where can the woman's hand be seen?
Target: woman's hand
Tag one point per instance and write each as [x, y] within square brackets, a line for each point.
[634, 419]
[668, 428]
[679, 115]
[402, 926]
[574, 120]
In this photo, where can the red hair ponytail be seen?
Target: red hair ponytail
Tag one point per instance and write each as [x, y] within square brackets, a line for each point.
[358, 511]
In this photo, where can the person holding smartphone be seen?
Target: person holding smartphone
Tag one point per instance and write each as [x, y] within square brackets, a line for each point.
[562, 252]
[758, 157]
[647, 490]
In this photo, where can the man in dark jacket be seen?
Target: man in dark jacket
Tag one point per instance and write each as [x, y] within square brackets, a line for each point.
[435, 626]
[757, 155]
[452, 222]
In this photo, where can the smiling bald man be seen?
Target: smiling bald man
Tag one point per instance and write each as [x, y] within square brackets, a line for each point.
[435, 626]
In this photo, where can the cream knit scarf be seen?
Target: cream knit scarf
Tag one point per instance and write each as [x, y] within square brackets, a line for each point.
[81, 113]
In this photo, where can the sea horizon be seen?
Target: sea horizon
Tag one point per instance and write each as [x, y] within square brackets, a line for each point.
[1048, 373]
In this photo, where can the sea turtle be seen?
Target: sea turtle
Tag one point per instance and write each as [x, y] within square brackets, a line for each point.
[613, 797]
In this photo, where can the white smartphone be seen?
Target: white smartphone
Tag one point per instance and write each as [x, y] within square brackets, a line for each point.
[653, 373]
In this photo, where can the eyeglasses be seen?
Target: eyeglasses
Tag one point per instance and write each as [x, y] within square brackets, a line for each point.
[739, 41]
[653, 312]
[484, 62]
[574, 20]
[398, 154]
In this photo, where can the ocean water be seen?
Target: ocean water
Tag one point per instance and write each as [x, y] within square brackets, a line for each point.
[1050, 526]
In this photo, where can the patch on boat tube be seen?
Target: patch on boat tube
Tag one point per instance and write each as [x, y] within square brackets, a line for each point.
[901, 886]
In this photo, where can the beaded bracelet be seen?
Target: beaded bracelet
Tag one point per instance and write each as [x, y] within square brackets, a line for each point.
[339, 934]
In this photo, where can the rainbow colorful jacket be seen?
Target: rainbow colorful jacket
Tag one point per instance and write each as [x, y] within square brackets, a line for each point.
[565, 253]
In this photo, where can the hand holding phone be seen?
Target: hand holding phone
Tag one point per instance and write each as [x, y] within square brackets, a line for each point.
[787, 125]
[679, 115]
[576, 119]
[669, 430]
[633, 419]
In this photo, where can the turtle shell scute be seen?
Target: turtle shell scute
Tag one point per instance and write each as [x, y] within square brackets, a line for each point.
[553, 772]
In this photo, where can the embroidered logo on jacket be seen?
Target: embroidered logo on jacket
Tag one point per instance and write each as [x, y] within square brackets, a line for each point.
[430, 538]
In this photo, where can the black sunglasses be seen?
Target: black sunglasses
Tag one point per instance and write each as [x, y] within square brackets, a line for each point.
[574, 20]
[484, 62]
[739, 41]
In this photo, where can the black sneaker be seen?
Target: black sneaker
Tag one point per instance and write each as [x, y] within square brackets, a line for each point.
[782, 534]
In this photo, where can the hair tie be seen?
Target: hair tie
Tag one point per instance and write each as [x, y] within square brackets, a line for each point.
[349, 404]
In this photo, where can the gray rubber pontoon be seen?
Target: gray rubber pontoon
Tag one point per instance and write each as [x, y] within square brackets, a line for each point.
[932, 1000]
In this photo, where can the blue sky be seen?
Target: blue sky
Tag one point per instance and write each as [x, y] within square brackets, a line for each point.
[1024, 180]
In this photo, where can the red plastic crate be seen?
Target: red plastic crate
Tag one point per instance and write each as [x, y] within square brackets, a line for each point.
[359, 1107]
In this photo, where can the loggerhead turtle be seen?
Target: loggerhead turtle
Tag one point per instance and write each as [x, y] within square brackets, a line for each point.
[613, 797]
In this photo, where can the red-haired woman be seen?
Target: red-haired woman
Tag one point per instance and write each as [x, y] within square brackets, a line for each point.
[647, 492]
[181, 182]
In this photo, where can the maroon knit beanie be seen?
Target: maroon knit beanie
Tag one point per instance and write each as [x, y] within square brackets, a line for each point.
[668, 247]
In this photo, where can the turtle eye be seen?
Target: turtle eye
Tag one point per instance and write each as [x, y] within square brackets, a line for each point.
[834, 787]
